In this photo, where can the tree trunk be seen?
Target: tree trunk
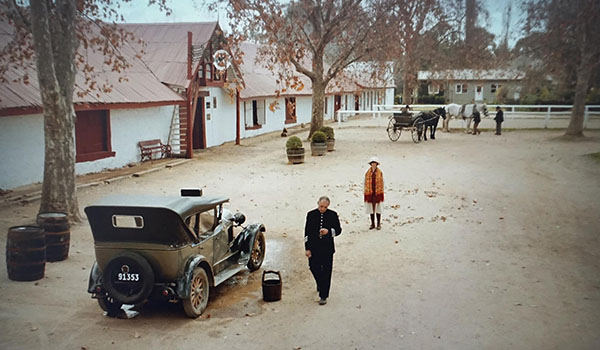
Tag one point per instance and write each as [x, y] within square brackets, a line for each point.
[406, 91]
[577, 115]
[409, 81]
[55, 45]
[318, 96]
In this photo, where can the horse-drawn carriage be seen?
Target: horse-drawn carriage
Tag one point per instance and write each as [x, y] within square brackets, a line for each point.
[405, 121]
[417, 124]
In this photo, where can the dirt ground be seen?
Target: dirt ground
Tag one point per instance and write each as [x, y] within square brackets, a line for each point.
[488, 242]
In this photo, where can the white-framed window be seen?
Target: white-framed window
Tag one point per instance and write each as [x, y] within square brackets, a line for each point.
[433, 89]
[461, 88]
[495, 87]
[254, 113]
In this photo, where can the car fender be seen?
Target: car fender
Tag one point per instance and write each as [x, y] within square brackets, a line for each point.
[245, 240]
[183, 282]
[95, 278]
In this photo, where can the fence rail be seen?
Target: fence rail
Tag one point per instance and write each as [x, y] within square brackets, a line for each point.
[546, 112]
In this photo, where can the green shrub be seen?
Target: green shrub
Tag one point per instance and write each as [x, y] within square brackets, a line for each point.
[319, 137]
[293, 142]
[431, 99]
[328, 131]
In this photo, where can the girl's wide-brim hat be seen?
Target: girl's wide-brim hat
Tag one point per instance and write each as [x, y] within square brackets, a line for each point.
[374, 159]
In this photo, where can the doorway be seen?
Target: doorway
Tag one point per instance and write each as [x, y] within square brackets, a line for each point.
[479, 93]
[198, 131]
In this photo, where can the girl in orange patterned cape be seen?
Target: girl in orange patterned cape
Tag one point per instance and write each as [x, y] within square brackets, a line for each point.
[374, 192]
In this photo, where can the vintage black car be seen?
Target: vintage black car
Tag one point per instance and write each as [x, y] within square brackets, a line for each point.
[171, 248]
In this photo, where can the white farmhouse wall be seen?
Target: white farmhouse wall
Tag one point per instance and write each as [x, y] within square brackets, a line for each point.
[220, 121]
[389, 96]
[275, 120]
[329, 110]
[22, 143]
[21, 150]
[303, 109]
[127, 128]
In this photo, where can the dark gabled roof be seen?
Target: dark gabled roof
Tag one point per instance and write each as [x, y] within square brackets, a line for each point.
[136, 85]
[166, 51]
[471, 74]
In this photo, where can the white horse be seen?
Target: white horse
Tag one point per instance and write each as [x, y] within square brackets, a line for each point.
[469, 111]
[465, 112]
[453, 110]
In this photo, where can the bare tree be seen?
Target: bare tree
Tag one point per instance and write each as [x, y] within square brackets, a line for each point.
[50, 33]
[413, 23]
[315, 38]
[567, 38]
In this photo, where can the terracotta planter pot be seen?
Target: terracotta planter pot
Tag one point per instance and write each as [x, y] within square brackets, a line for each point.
[296, 155]
[331, 145]
[318, 149]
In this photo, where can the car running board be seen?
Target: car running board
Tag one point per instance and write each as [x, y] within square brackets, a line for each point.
[228, 273]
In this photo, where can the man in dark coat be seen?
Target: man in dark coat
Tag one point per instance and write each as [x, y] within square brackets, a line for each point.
[499, 118]
[321, 226]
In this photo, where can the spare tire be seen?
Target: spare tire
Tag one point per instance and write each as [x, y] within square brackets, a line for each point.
[128, 278]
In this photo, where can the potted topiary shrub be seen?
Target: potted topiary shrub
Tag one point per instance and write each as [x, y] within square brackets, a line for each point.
[330, 137]
[318, 143]
[294, 150]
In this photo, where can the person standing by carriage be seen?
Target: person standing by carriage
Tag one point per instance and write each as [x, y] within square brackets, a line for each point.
[499, 118]
[373, 192]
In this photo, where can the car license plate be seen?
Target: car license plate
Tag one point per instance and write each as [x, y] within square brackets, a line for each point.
[128, 277]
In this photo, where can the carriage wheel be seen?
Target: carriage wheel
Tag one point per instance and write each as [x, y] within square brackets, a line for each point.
[393, 131]
[416, 130]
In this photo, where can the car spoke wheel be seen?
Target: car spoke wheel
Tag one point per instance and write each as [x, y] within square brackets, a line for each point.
[393, 130]
[109, 304]
[257, 256]
[198, 299]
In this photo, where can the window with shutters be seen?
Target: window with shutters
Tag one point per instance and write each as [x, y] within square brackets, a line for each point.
[92, 135]
[290, 110]
[254, 114]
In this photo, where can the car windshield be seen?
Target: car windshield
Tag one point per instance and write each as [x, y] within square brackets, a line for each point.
[203, 223]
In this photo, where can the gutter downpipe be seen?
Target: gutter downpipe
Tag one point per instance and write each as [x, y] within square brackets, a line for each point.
[237, 116]
[189, 152]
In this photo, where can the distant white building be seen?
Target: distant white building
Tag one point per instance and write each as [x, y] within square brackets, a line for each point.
[467, 85]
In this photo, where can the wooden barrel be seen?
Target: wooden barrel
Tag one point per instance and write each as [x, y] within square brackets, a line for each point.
[25, 253]
[318, 149]
[296, 155]
[58, 235]
[330, 145]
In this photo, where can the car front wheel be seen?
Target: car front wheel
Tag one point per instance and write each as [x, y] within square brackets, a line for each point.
[195, 305]
[257, 256]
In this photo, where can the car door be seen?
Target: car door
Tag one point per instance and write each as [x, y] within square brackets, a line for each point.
[201, 224]
[221, 239]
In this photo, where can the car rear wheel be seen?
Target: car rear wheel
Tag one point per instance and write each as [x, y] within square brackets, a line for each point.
[257, 256]
[128, 278]
[195, 305]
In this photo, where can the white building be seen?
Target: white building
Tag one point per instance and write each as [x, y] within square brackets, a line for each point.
[109, 125]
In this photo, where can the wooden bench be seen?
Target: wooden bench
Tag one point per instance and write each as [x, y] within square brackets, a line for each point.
[151, 147]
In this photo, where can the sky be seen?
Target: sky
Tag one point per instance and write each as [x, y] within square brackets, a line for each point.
[195, 11]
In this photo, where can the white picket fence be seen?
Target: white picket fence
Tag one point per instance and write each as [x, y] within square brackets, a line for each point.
[546, 112]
